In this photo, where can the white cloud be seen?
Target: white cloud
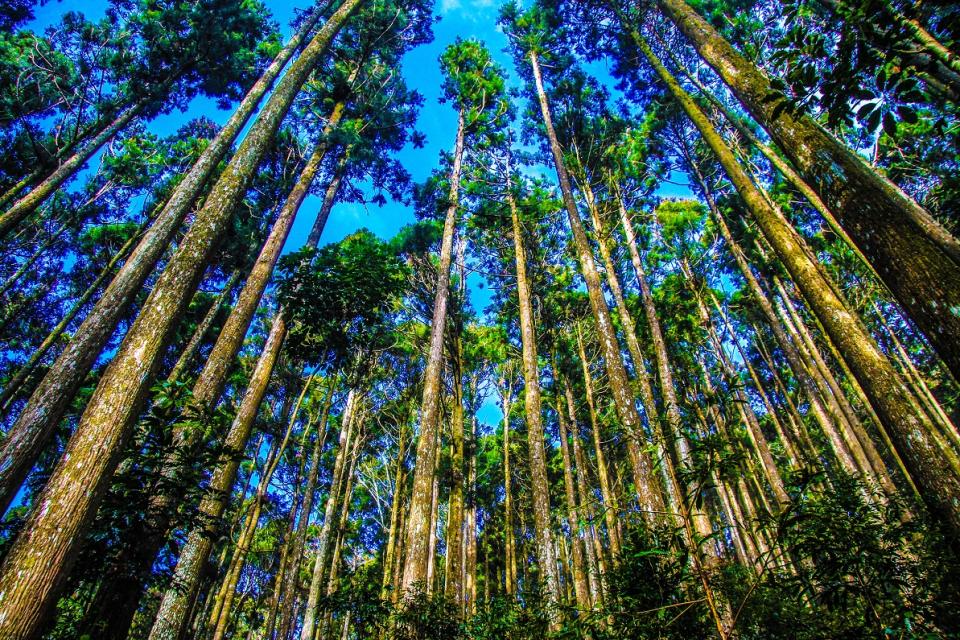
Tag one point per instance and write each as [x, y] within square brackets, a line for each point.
[468, 8]
[448, 6]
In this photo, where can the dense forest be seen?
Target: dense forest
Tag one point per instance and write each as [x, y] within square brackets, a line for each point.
[667, 344]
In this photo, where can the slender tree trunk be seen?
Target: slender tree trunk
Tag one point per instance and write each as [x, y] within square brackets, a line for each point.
[418, 522]
[930, 402]
[789, 447]
[853, 431]
[23, 375]
[434, 522]
[581, 588]
[916, 258]
[924, 451]
[470, 535]
[243, 544]
[700, 520]
[335, 561]
[611, 506]
[209, 385]
[539, 484]
[454, 565]
[329, 199]
[807, 446]
[639, 364]
[76, 486]
[53, 395]
[827, 413]
[185, 583]
[593, 550]
[510, 584]
[30, 202]
[390, 553]
[306, 510]
[323, 543]
[647, 485]
[757, 438]
[203, 328]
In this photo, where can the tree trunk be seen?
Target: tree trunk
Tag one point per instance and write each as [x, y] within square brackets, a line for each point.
[418, 522]
[209, 385]
[930, 402]
[434, 523]
[639, 364]
[29, 203]
[581, 588]
[647, 485]
[41, 558]
[789, 447]
[23, 375]
[243, 544]
[916, 258]
[700, 520]
[185, 583]
[591, 543]
[323, 543]
[510, 583]
[539, 483]
[203, 328]
[470, 534]
[329, 198]
[926, 455]
[853, 431]
[306, 509]
[454, 566]
[52, 397]
[390, 553]
[827, 413]
[611, 506]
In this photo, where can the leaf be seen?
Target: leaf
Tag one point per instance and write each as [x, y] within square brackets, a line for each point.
[889, 124]
[864, 111]
[907, 114]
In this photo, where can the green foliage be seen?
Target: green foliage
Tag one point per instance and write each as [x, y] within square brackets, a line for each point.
[475, 84]
[873, 570]
[338, 300]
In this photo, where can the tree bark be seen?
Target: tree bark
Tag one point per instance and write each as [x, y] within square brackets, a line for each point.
[171, 617]
[203, 328]
[418, 522]
[611, 506]
[581, 588]
[390, 552]
[917, 259]
[29, 203]
[539, 484]
[510, 583]
[926, 455]
[287, 598]
[647, 485]
[323, 543]
[826, 412]
[243, 544]
[454, 565]
[591, 543]
[53, 395]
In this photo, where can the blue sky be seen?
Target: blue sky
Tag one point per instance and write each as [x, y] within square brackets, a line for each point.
[463, 18]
